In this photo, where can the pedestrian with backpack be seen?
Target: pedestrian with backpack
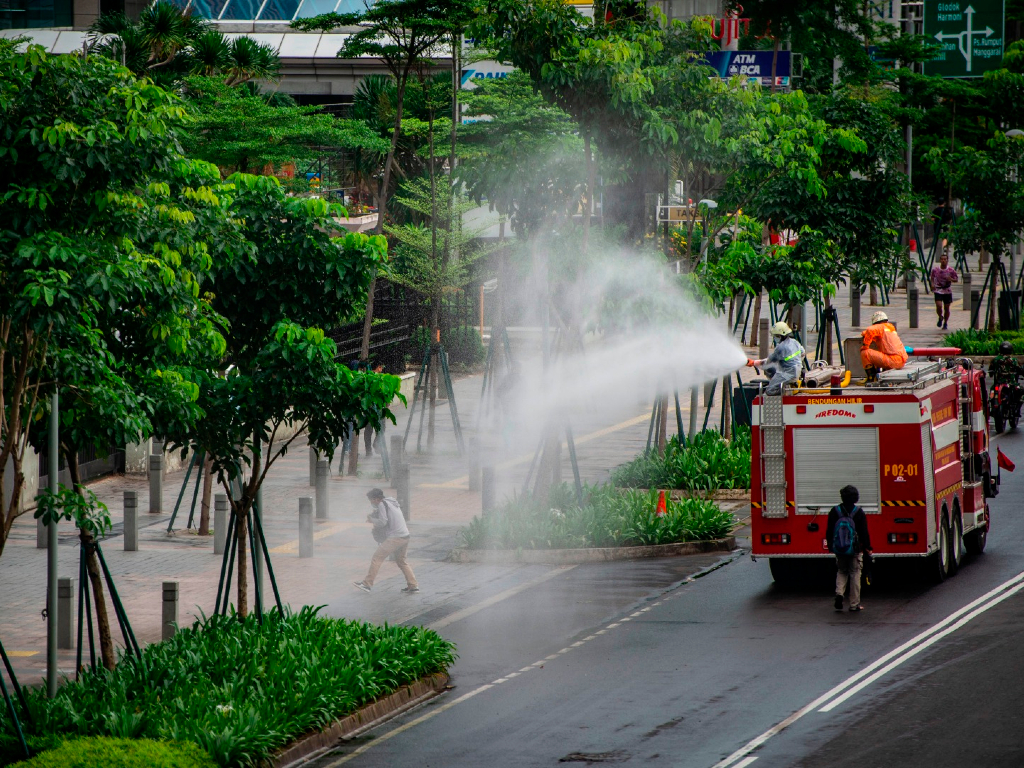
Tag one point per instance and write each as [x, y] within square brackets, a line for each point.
[392, 537]
[848, 540]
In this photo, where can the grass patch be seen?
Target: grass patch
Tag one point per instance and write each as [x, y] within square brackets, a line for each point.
[241, 690]
[100, 752]
[609, 517]
[708, 462]
[974, 342]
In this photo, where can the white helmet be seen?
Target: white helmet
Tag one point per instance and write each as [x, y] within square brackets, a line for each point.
[781, 329]
[879, 317]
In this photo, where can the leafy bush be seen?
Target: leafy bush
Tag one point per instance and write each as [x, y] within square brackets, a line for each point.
[706, 463]
[609, 517]
[974, 342]
[463, 344]
[120, 753]
[241, 690]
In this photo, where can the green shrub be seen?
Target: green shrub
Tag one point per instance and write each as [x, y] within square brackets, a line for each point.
[609, 517]
[463, 344]
[239, 689]
[706, 463]
[974, 342]
[100, 752]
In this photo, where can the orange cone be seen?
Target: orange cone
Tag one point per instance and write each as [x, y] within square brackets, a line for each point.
[662, 507]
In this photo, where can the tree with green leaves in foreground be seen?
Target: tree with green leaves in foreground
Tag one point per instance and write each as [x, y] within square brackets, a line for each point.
[108, 238]
[243, 130]
[278, 379]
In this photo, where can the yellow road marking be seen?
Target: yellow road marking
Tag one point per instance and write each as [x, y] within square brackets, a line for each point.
[463, 482]
[292, 547]
[22, 654]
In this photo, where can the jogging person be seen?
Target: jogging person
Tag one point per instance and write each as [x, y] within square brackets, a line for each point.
[943, 277]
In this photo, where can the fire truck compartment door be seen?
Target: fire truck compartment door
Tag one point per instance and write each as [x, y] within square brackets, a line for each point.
[824, 460]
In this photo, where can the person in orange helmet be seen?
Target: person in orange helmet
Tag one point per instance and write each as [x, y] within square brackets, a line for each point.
[881, 348]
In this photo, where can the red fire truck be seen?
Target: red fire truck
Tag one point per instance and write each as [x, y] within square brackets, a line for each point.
[916, 446]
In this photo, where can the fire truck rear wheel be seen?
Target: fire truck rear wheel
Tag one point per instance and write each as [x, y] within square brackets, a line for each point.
[956, 545]
[938, 564]
[787, 571]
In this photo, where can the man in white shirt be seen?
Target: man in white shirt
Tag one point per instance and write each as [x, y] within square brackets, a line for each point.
[387, 517]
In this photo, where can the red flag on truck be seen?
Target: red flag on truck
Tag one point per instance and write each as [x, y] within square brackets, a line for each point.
[1004, 461]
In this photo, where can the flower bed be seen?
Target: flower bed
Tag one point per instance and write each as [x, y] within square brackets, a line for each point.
[241, 690]
[984, 343]
[608, 517]
[706, 463]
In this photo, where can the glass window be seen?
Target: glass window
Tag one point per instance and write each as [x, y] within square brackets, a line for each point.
[279, 10]
[32, 14]
[242, 9]
[208, 9]
[315, 8]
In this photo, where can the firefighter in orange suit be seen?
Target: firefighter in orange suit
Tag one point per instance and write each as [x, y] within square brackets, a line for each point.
[881, 349]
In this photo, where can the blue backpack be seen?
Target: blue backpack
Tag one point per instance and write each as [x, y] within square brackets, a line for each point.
[844, 535]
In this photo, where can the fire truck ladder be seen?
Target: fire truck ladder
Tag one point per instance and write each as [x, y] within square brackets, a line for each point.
[967, 431]
[773, 456]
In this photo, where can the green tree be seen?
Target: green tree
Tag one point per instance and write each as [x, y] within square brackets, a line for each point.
[242, 130]
[105, 247]
[301, 273]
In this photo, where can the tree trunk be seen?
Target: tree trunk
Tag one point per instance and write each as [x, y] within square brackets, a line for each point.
[92, 566]
[435, 362]
[874, 296]
[241, 563]
[204, 505]
[828, 328]
[353, 454]
[992, 299]
[726, 410]
[588, 207]
[662, 424]
[755, 321]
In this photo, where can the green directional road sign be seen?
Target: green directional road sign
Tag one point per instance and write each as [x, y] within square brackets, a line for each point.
[970, 33]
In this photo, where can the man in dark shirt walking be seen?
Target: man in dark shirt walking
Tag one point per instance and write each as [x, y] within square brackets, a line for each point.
[848, 540]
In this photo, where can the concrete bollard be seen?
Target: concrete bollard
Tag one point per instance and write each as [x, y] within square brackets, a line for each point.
[762, 338]
[41, 538]
[169, 616]
[396, 451]
[312, 466]
[488, 492]
[305, 526]
[131, 521]
[402, 489]
[323, 502]
[913, 304]
[967, 288]
[156, 482]
[855, 306]
[976, 318]
[65, 612]
[474, 465]
[220, 523]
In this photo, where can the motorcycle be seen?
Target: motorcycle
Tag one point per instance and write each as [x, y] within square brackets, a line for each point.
[1004, 404]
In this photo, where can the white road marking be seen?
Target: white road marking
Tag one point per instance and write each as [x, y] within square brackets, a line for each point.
[411, 724]
[981, 604]
[745, 763]
[494, 599]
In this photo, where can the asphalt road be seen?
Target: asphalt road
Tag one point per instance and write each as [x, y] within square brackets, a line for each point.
[645, 664]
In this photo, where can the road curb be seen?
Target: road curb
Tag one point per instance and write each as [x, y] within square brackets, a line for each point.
[370, 716]
[589, 555]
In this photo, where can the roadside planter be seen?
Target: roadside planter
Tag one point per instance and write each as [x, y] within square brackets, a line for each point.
[704, 466]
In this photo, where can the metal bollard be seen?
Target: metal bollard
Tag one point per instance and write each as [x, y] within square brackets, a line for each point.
[323, 502]
[855, 306]
[967, 288]
[156, 482]
[976, 319]
[131, 521]
[169, 616]
[913, 304]
[65, 612]
[402, 490]
[312, 466]
[488, 493]
[762, 338]
[305, 526]
[474, 465]
[220, 523]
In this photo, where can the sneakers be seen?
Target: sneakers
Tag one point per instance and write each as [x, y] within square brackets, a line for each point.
[362, 586]
[945, 327]
[411, 589]
[939, 324]
[855, 609]
[838, 602]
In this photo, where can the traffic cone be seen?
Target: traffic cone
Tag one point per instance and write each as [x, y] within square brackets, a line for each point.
[662, 507]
